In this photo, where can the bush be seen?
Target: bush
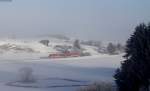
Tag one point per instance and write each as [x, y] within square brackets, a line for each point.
[98, 87]
[85, 54]
[45, 42]
[26, 75]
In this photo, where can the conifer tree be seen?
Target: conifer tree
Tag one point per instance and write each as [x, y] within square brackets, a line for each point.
[134, 73]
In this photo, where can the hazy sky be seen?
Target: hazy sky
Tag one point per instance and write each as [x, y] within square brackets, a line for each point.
[106, 20]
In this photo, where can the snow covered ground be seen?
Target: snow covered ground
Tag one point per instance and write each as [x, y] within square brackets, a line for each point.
[64, 74]
[88, 69]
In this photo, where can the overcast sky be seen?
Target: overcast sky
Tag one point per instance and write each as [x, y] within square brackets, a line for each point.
[105, 20]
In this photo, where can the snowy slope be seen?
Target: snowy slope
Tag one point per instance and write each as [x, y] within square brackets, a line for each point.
[32, 49]
[22, 49]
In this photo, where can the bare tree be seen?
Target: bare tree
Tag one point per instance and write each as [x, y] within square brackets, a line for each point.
[26, 75]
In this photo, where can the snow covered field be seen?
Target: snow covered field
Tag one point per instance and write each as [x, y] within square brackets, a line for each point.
[59, 72]
[63, 74]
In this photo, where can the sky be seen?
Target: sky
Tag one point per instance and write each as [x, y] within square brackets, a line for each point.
[104, 20]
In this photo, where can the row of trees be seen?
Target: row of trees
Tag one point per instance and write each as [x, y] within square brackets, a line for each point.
[110, 49]
[115, 48]
[92, 43]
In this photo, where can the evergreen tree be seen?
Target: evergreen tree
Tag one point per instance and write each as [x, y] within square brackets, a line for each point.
[134, 73]
[120, 47]
[45, 42]
[111, 48]
[76, 44]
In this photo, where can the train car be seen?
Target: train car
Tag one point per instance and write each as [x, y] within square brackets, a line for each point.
[64, 55]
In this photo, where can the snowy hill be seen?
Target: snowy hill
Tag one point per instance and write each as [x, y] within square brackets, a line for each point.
[33, 49]
[63, 74]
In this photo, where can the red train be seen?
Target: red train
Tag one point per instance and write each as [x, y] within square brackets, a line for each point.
[64, 55]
